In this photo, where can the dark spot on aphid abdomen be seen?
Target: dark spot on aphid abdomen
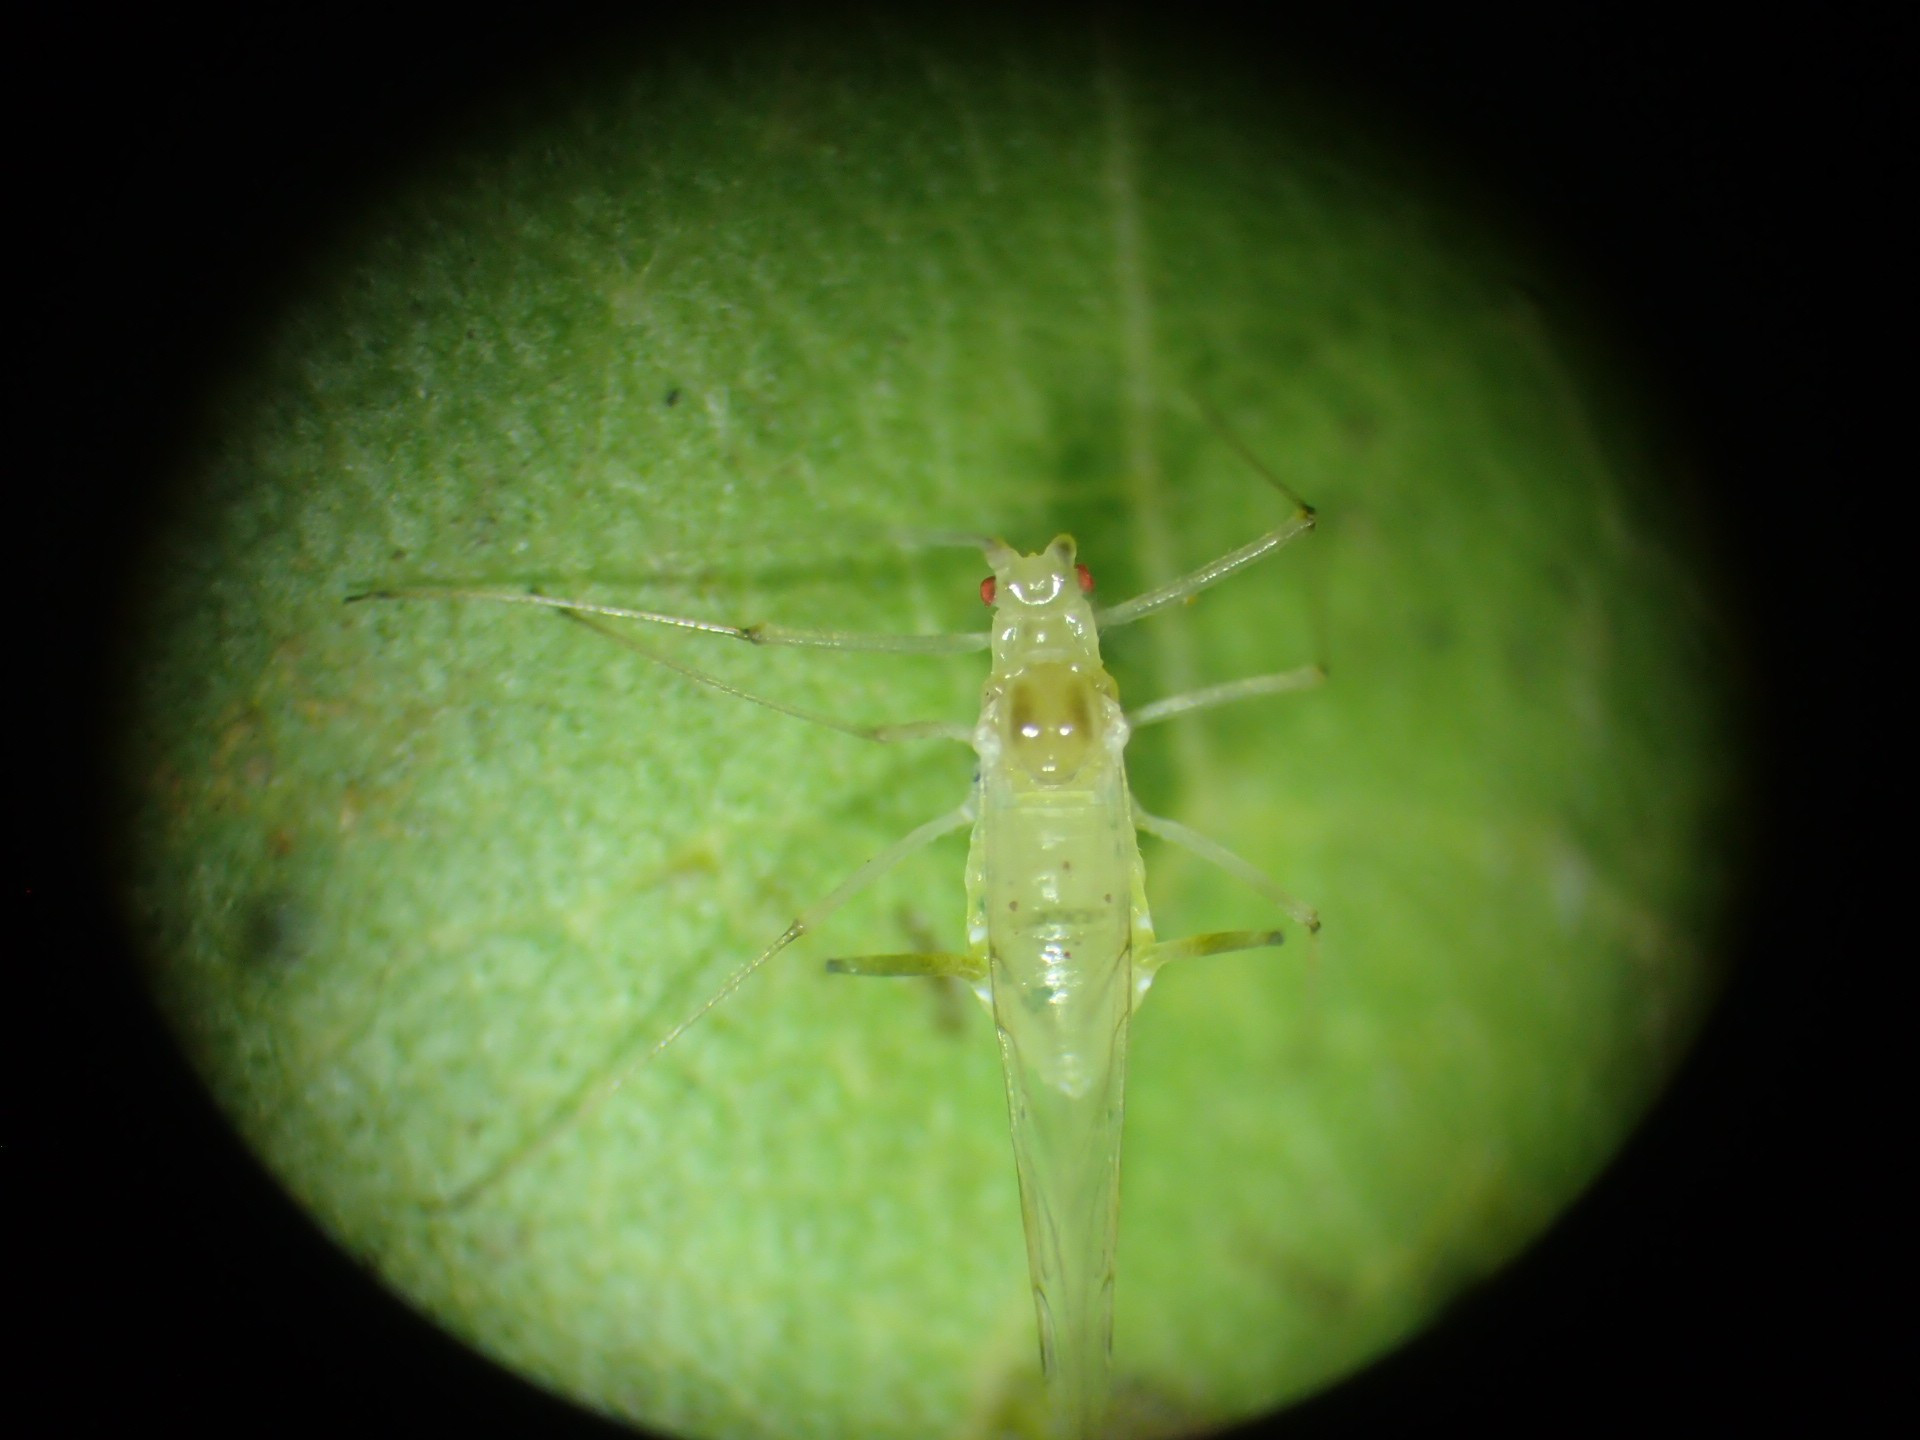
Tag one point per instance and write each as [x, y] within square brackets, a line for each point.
[1054, 954]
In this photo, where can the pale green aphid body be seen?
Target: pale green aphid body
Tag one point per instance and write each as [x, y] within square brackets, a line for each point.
[1057, 907]
[1060, 943]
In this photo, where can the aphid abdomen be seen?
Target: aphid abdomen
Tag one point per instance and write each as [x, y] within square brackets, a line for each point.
[1059, 926]
[1055, 870]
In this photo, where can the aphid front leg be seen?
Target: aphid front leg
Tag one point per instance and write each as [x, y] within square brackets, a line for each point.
[1174, 592]
[756, 634]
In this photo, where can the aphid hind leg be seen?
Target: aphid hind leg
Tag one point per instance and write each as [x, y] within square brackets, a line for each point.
[1147, 963]
[596, 1090]
[1217, 854]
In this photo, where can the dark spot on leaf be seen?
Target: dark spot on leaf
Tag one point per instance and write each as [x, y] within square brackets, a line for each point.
[673, 397]
[274, 933]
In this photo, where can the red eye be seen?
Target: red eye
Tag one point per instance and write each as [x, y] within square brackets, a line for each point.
[1086, 579]
[986, 591]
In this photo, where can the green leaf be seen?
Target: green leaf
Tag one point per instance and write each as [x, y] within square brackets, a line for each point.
[708, 334]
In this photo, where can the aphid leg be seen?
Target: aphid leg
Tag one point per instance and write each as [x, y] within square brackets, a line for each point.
[886, 734]
[1218, 854]
[926, 964]
[1214, 571]
[1211, 573]
[937, 965]
[1247, 688]
[940, 539]
[752, 634]
[600, 1088]
[1147, 963]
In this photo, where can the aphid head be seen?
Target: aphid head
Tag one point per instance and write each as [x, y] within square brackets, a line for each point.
[1034, 581]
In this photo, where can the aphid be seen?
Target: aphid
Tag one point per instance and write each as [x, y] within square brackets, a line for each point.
[1060, 941]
